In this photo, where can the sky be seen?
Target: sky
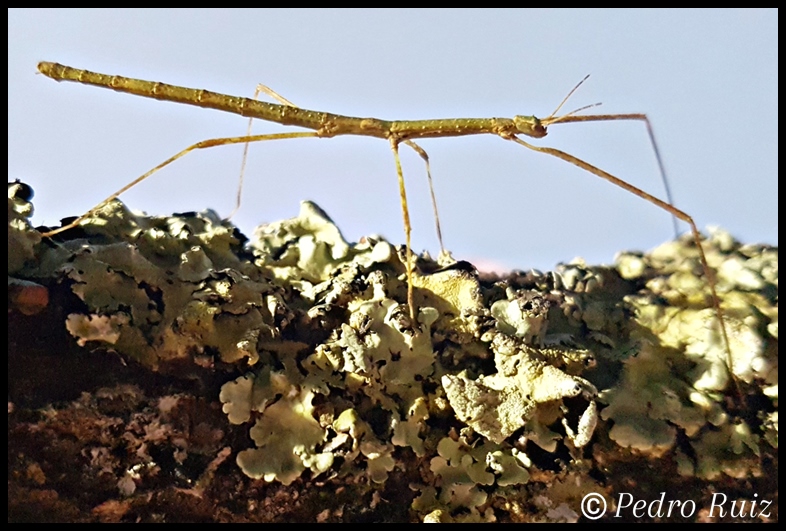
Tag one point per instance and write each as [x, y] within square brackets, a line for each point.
[707, 79]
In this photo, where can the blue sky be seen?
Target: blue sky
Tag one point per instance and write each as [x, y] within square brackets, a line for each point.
[706, 78]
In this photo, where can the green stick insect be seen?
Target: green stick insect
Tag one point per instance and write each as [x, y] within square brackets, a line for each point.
[326, 125]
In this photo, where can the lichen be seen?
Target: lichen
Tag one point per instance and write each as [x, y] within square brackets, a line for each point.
[163, 290]
[499, 404]
[674, 382]
[319, 364]
[286, 435]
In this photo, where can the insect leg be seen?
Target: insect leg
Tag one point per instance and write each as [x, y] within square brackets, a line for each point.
[407, 230]
[199, 145]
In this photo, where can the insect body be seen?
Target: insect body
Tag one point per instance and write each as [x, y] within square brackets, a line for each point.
[325, 124]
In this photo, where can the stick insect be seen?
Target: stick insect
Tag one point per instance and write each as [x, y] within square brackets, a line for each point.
[326, 125]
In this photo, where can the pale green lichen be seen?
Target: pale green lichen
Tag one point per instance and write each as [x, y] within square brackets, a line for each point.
[364, 442]
[376, 355]
[462, 468]
[169, 289]
[286, 436]
[673, 382]
[731, 449]
[407, 432]
[524, 316]
[331, 378]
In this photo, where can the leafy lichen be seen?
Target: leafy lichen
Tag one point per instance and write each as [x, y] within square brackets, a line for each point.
[322, 368]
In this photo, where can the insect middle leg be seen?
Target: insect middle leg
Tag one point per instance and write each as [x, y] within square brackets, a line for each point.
[402, 191]
[407, 231]
[416, 148]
